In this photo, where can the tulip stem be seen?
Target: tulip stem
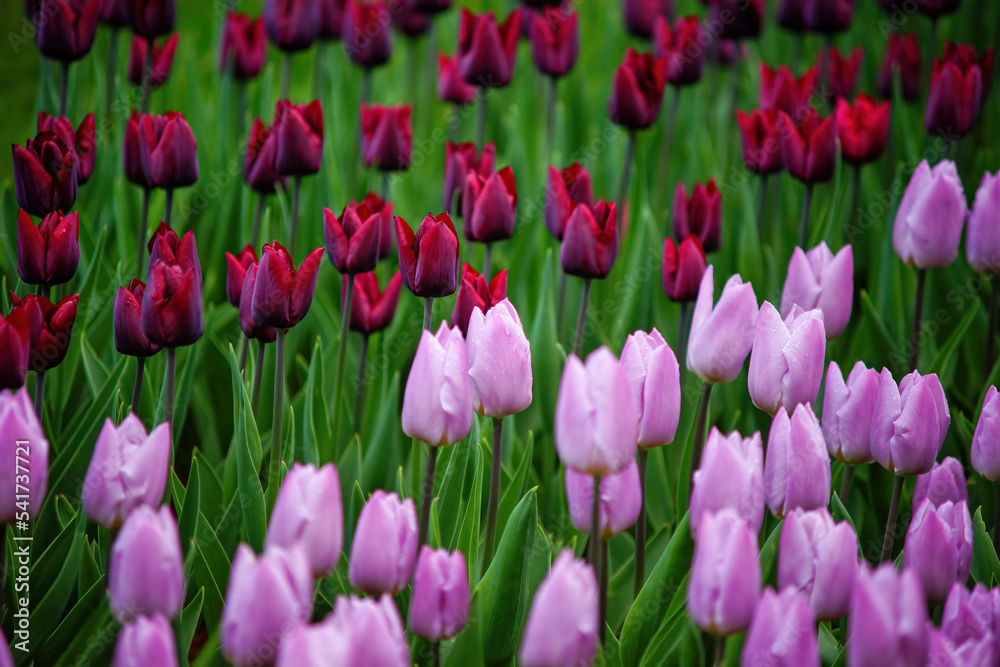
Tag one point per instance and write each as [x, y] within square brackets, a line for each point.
[602, 622]
[385, 186]
[595, 536]
[932, 54]
[318, 70]
[890, 524]
[488, 261]
[855, 197]
[277, 443]
[147, 78]
[109, 75]
[345, 323]
[436, 646]
[428, 311]
[481, 124]
[168, 394]
[258, 214]
[39, 393]
[294, 231]
[668, 133]
[366, 86]
[561, 303]
[359, 390]
[918, 312]
[581, 320]
[258, 376]
[640, 528]
[845, 483]
[427, 498]
[168, 206]
[494, 502]
[804, 220]
[137, 388]
[550, 114]
[699, 426]
[63, 86]
[286, 74]
[626, 175]
[824, 68]
[683, 330]
[761, 207]
[797, 51]
[140, 251]
[991, 328]
[241, 110]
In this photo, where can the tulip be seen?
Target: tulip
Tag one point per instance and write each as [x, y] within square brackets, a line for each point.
[986, 439]
[451, 87]
[886, 624]
[563, 619]
[83, 140]
[681, 48]
[731, 476]
[267, 596]
[828, 17]
[148, 641]
[475, 293]
[725, 574]
[182, 251]
[51, 328]
[819, 558]
[489, 206]
[236, 271]
[308, 514]
[282, 294]
[683, 268]
[331, 18]
[944, 652]
[620, 500]
[162, 63]
[372, 309]
[790, 15]
[66, 30]
[15, 344]
[365, 33]
[954, 100]
[786, 364]
[21, 424]
[982, 242]
[407, 20]
[375, 629]
[909, 423]
[171, 309]
[563, 187]
[701, 215]
[640, 16]
[939, 547]
[590, 240]
[973, 617]
[759, 141]
[384, 546]
[847, 413]
[461, 160]
[428, 260]
[167, 150]
[738, 19]
[654, 378]
[964, 55]
[797, 465]
[437, 401]
[439, 606]
[818, 279]
[809, 150]
[555, 40]
[843, 74]
[248, 325]
[937, 8]
[637, 91]
[944, 483]
[130, 339]
[499, 361]
[152, 18]
[721, 336]
[243, 47]
[353, 241]
[596, 429]
[50, 253]
[386, 136]
[298, 134]
[781, 91]
[146, 571]
[131, 156]
[487, 50]
[930, 217]
[782, 633]
[317, 645]
[46, 173]
[259, 160]
[903, 54]
[726, 51]
[292, 25]
[863, 127]
[114, 13]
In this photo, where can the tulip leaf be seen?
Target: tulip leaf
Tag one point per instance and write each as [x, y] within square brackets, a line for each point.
[468, 537]
[93, 368]
[877, 320]
[250, 491]
[518, 485]
[769, 552]
[187, 622]
[668, 637]
[351, 520]
[985, 564]
[90, 571]
[451, 491]
[467, 650]
[829, 647]
[840, 512]
[313, 410]
[945, 354]
[189, 509]
[211, 569]
[47, 613]
[86, 635]
[65, 512]
[382, 455]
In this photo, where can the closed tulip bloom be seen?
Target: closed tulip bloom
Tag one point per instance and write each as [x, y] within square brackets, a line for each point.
[986, 439]
[887, 619]
[292, 25]
[683, 268]
[790, 15]
[902, 54]
[945, 482]
[18, 419]
[407, 20]
[474, 293]
[809, 150]
[132, 154]
[167, 149]
[701, 215]
[797, 465]
[163, 62]
[236, 272]
[114, 13]
[487, 50]
[909, 422]
[939, 547]
[954, 100]
[451, 87]
[637, 91]
[759, 141]
[730, 476]
[641, 15]
[782, 633]
[375, 629]
[982, 241]
[781, 91]
[171, 309]
[248, 325]
[847, 412]
[555, 40]
[726, 51]
[353, 241]
[439, 606]
[828, 16]
[590, 241]
[820, 279]
[786, 363]
[562, 187]
[372, 309]
[654, 377]
[489, 206]
[46, 174]
[930, 216]
[725, 574]
[386, 136]
[259, 160]
[16, 347]
[843, 73]
[459, 161]
[620, 501]
[943, 652]
[267, 596]
[499, 361]
[83, 140]
[331, 18]
[596, 429]
[819, 558]
[738, 19]
[964, 55]
[973, 617]
[174, 250]
[51, 328]
[146, 569]
[316, 645]
[50, 253]
[243, 48]
[308, 513]
[385, 545]
[937, 8]
[365, 33]
[298, 134]
[680, 47]
[562, 623]
[863, 127]
[130, 339]
[721, 336]
[148, 642]
[282, 294]
[428, 260]
[437, 401]
[66, 30]
[152, 18]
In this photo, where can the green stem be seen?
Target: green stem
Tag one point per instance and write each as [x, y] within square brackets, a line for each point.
[561, 303]
[550, 114]
[428, 311]
[258, 376]
[286, 74]
[595, 532]
[626, 176]
[436, 646]
[427, 498]
[147, 77]
[925, 80]
[140, 250]
[581, 320]
[890, 524]
[359, 390]
[345, 322]
[168, 394]
[318, 70]
[824, 67]
[918, 312]
[277, 442]
[244, 350]
[366, 86]
[258, 214]
[668, 133]
[855, 197]
[109, 75]
[481, 125]
[761, 207]
[493, 506]
[804, 219]
[845, 483]
[488, 261]
[294, 227]
[699, 426]
[241, 110]
[683, 331]
[39, 393]
[991, 328]
[385, 185]
[602, 622]
[640, 528]
[137, 388]
[168, 206]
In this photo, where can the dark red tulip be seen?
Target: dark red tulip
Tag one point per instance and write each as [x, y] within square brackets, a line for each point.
[353, 240]
[387, 233]
[236, 272]
[50, 253]
[451, 87]
[903, 53]
[828, 16]
[114, 13]
[15, 348]
[809, 149]
[780, 90]
[429, 6]
[936, 8]
[683, 268]
[243, 46]
[637, 92]
[863, 128]
[51, 328]
[152, 18]
[83, 140]
[366, 34]
[66, 28]
[258, 161]
[563, 187]
[487, 50]
[45, 174]
[790, 15]
[459, 160]
[428, 260]
[759, 140]
[725, 51]
[163, 61]
[407, 20]
[132, 154]
[292, 25]
[489, 206]
[475, 292]
[176, 251]
[372, 309]
[954, 100]
[171, 302]
[843, 73]
[964, 55]
[298, 135]
[248, 324]
[700, 216]
[130, 339]
[282, 294]
[168, 150]
[681, 48]
[590, 244]
[386, 136]
[641, 15]
[738, 19]
[331, 18]
[555, 40]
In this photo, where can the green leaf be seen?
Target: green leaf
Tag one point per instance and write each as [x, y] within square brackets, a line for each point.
[48, 612]
[248, 485]
[518, 485]
[354, 511]
[90, 571]
[985, 564]
[211, 569]
[187, 622]
[468, 537]
[840, 512]
[382, 453]
[769, 552]
[65, 512]
[315, 429]
[947, 351]
[86, 636]
[190, 508]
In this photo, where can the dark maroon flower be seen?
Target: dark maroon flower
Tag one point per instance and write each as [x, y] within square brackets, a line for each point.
[174, 250]
[700, 216]
[51, 328]
[129, 336]
[168, 150]
[428, 260]
[258, 161]
[955, 99]
[863, 127]
[590, 244]
[964, 55]
[50, 253]
[641, 15]
[15, 348]
[459, 160]
[759, 140]
[809, 149]
[828, 16]
[45, 174]
[386, 136]
[132, 153]
[331, 18]
[903, 54]
[66, 28]
[163, 61]
[936, 8]
[114, 13]
[489, 206]
[475, 292]
[152, 18]
[236, 272]
[683, 268]
[682, 49]
[171, 303]
[487, 50]
[292, 25]
[555, 40]
[248, 325]
[637, 92]
[563, 187]
[282, 294]
[407, 20]
[451, 87]
[738, 19]
[366, 34]
[790, 15]
[243, 46]
[83, 140]
[353, 240]
[843, 73]
[372, 309]
[780, 90]
[298, 135]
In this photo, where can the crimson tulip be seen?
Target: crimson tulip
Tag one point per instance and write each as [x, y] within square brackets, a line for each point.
[459, 161]
[353, 240]
[863, 127]
[331, 18]
[590, 243]
[83, 140]
[640, 16]
[637, 92]
[163, 62]
[451, 87]
[45, 174]
[114, 13]
[282, 294]
[489, 206]
[51, 327]
[843, 74]
[487, 50]
[50, 253]
[372, 309]
[683, 268]
[781, 91]
[66, 30]
[407, 20]
[365, 33]
[937, 8]
[681, 48]
[474, 292]
[386, 136]
[175, 250]
[236, 272]
[258, 161]
[152, 18]
[955, 97]
[809, 150]
[243, 48]
[759, 140]
[903, 54]
[563, 187]
[555, 40]
[964, 55]
[130, 339]
[167, 148]
[15, 345]
[248, 325]
[171, 305]
[701, 215]
[292, 25]
[428, 260]
[298, 134]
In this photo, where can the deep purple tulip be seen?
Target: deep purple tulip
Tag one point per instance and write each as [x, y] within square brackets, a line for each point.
[489, 206]
[148, 642]
[730, 476]
[782, 91]
[986, 439]
[654, 377]
[407, 20]
[843, 72]
[682, 49]
[590, 240]
[308, 514]
[248, 325]
[66, 30]
[385, 545]
[132, 154]
[738, 19]
[18, 418]
[701, 215]
[487, 50]
[236, 272]
[282, 294]
[163, 62]
[152, 18]
[474, 293]
[459, 161]
[146, 568]
[903, 54]
[722, 335]
[809, 149]
[353, 241]
[783, 632]
[930, 217]
[982, 241]
[365, 32]
[945, 482]
[759, 141]
[937, 8]
[46, 174]
[166, 245]
[451, 87]
[386, 136]
[171, 309]
[114, 13]
[259, 160]
[83, 140]
[292, 25]
[939, 547]
[555, 40]
[683, 268]
[437, 401]
[372, 308]
[828, 16]
[16, 347]
[428, 260]
[50, 253]
[167, 148]
[562, 187]
[298, 133]
[797, 465]
[637, 91]
[130, 339]
[790, 15]
[847, 412]
[499, 361]
[955, 98]
[331, 18]
[886, 623]
[909, 422]
[786, 363]
[640, 15]
[439, 606]
[243, 47]
[620, 500]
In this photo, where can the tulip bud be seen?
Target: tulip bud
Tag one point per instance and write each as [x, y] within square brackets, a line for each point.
[939, 547]
[248, 325]
[148, 642]
[258, 161]
[725, 574]
[439, 606]
[365, 33]
[863, 128]
[730, 476]
[174, 250]
[51, 328]
[171, 309]
[167, 150]
[555, 40]
[781, 91]
[902, 55]
[637, 91]
[721, 337]
[475, 293]
[146, 570]
[114, 13]
[596, 427]
[786, 364]
[827, 17]
[16, 347]
[459, 161]
[683, 268]
[437, 401]
[163, 62]
[590, 241]
[66, 30]
[46, 174]
[384, 545]
[701, 215]
[640, 16]
[331, 18]
[843, 73]
[819, 558]
[945, 482]
[131, 153]
[18, 420]
[886, 624]
[489, 206]
[964, 55]
[797, 465]
[451, 87]
[971, 620]
[954, 99]
[292, 25]
[499, 361]
[930, 217]
[386, 136]
[759, 141]
[372, 309]
[308, 514]
[298, 135]
[681, 48]
[654, 377]
[316, 645]
[620, 501]
[790, 15]
[562, 622]
[487, 51]
[282, 294]
[152, 18]
[847, 412]
[909, 422]
[50, 253]
[738, 19]
[353, 241]
[986, 439]
[375, 629]
[83, 140]
[563, 187]
[407, 20]
[236, 272]
[982, 242]
[243, 48]
[428, 260]
[818, 279]
[809, 149]
[128, 470]
[782, 633]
